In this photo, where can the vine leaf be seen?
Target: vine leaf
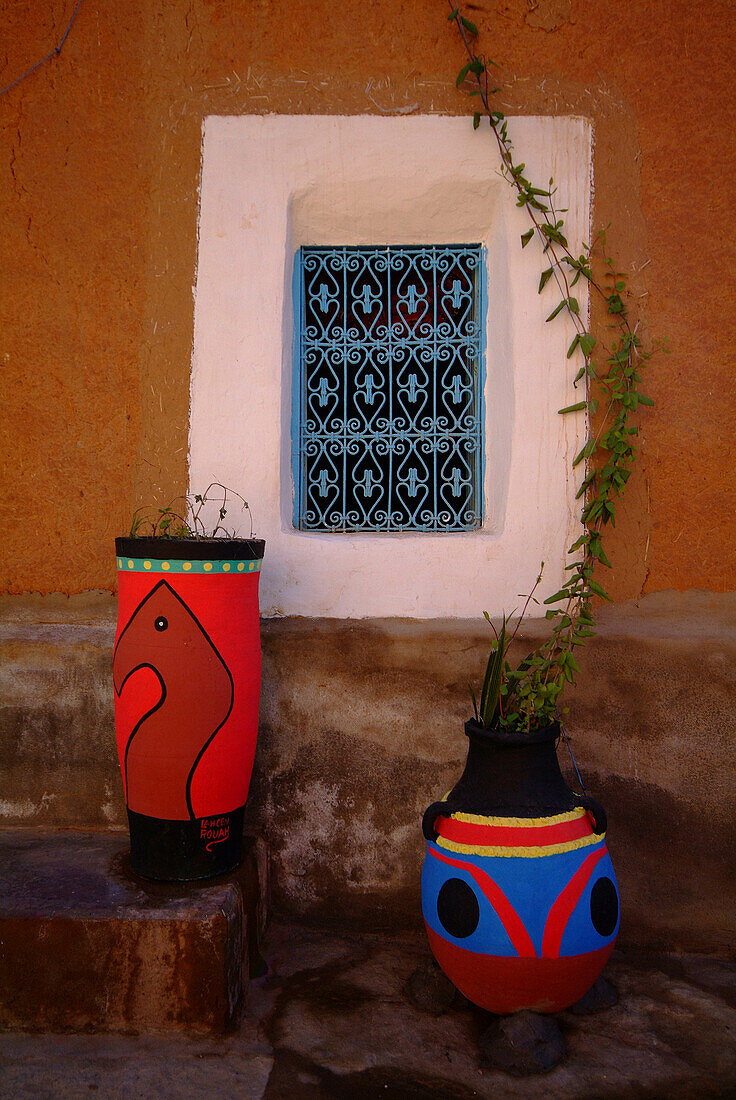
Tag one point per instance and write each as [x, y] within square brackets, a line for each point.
[462, 74]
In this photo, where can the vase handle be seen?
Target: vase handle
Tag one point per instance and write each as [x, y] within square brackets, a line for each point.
[430, 816]
[595, 808]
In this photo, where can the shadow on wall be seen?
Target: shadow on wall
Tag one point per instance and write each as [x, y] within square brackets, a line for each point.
[361, 727]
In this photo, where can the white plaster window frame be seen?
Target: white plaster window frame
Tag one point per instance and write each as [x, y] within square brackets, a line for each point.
[273, 183]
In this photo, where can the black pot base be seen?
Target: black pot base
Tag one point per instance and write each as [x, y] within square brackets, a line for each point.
[184, 851]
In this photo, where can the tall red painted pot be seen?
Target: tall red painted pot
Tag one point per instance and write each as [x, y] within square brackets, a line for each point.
[519, 894]
[187, 673]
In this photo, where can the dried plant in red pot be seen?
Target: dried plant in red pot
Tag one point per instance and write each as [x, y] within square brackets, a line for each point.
[186, 673]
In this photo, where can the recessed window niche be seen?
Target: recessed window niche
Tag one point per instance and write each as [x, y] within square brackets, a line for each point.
[274, 185]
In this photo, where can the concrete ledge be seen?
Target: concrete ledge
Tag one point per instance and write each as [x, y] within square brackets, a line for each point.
[86, 946]
[362, 727]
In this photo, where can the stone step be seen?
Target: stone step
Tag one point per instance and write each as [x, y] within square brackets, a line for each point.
[87, 946]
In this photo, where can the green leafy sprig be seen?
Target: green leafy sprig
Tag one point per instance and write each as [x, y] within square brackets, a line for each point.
[526, 698]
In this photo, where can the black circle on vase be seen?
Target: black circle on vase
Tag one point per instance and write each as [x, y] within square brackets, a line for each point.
[161, 623]
[604, 906]
[457, 908]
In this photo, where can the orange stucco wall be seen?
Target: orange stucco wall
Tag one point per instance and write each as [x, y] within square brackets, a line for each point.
[100, 165]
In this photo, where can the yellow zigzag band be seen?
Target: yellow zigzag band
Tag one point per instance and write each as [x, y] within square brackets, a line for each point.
[516, 822]
[528, 851]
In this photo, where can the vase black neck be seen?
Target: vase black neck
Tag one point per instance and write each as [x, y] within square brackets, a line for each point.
[512, 775]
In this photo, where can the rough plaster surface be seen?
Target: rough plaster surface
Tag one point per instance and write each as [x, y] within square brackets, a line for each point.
[57, 745]
[272, 184]
[361, 728]
[101, 152]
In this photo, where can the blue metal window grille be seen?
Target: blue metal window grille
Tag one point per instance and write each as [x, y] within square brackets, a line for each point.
[387, 428]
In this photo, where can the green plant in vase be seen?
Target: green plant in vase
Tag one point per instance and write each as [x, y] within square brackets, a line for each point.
[519, 894]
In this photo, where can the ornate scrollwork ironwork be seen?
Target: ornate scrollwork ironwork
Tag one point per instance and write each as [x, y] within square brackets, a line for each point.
[390, 431]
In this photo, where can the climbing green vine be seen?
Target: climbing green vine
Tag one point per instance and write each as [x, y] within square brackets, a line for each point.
[525, 698]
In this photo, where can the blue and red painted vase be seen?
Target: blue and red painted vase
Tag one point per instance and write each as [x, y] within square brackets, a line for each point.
[519, 894]
[187, 674]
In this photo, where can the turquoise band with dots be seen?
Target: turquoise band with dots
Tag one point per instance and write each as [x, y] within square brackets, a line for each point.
[173, 565]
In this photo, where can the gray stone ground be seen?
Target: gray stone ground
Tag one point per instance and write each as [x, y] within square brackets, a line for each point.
[330, 1019]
